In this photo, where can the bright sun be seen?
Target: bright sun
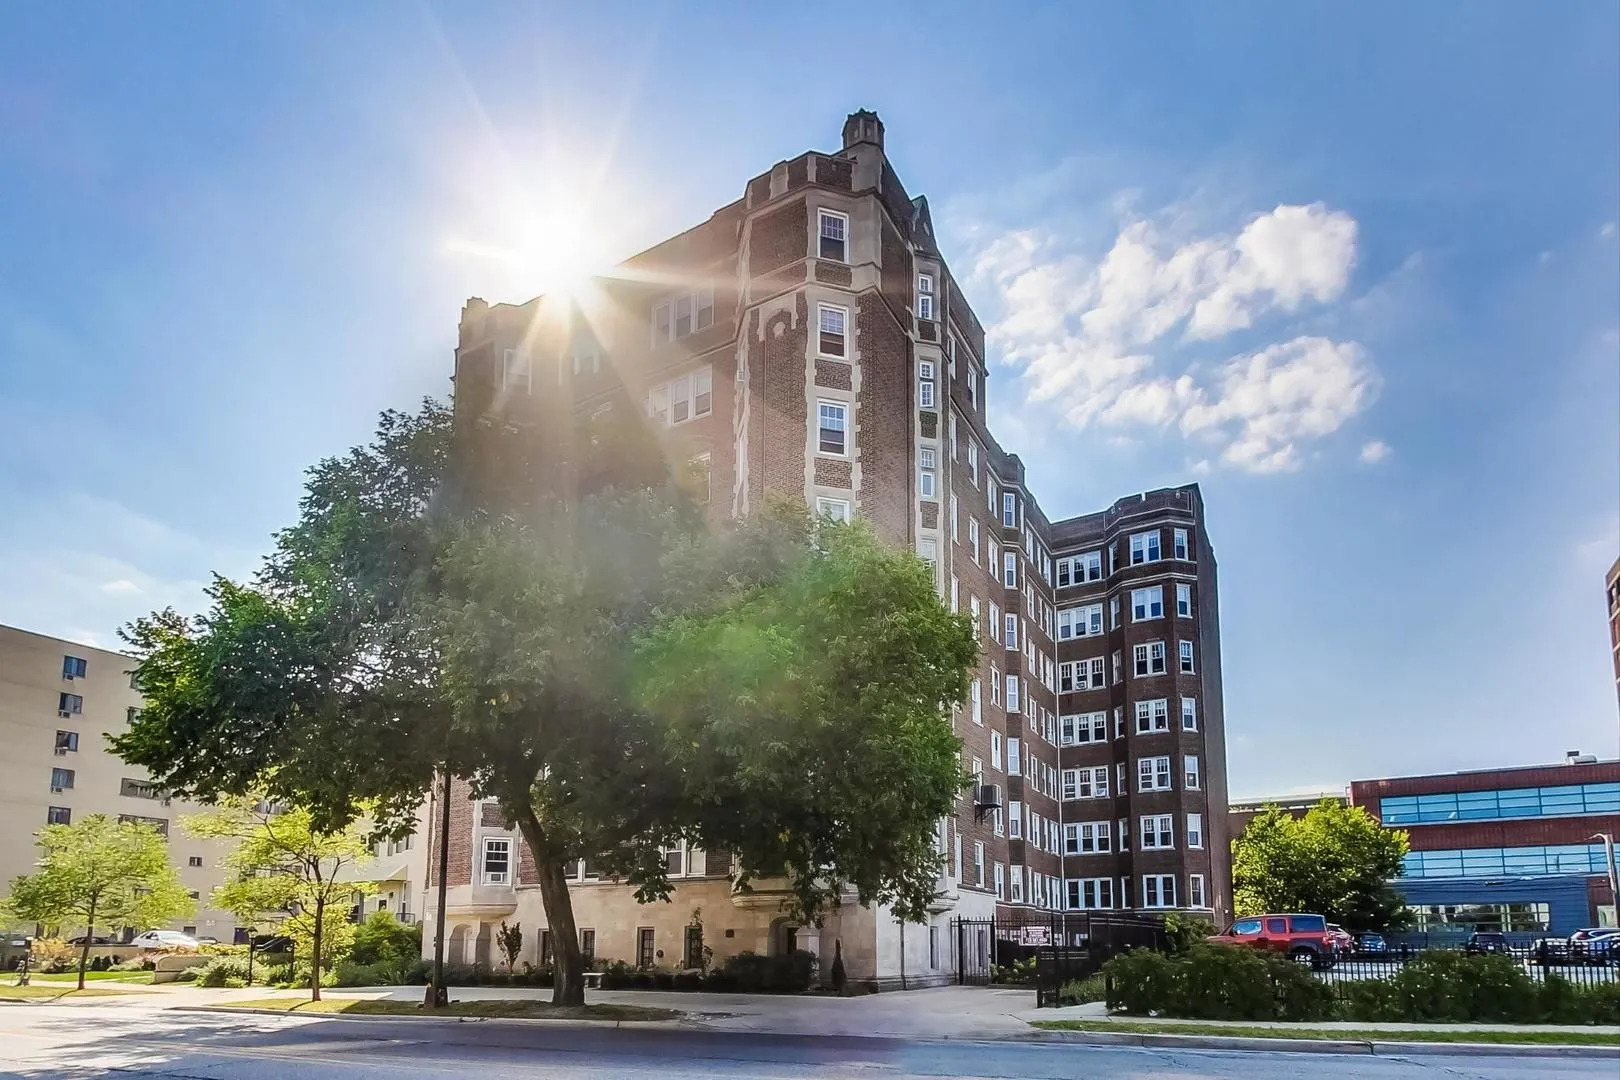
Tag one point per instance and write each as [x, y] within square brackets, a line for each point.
[541, 254]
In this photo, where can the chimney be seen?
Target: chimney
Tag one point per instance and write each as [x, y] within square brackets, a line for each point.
[863, 125]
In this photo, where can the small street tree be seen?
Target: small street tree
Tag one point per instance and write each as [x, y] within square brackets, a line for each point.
[510, 941]
[99, 872]
[282, 863]
[1336, 860]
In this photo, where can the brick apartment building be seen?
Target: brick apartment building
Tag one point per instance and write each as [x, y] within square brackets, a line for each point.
[1504, 849]
[809, 340]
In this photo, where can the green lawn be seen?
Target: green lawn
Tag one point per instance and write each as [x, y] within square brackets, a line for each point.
[51, 992]
[144, 977]
[1486, 1035]
[540, 1010]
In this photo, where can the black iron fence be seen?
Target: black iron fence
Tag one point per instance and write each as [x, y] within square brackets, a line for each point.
[1050, 949]
[1537, 958]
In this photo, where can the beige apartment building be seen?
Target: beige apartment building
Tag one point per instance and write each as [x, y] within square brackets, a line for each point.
[810, 340]
[58, 702]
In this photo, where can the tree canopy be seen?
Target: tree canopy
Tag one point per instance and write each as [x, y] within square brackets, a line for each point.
[618, 673]
[1337, 860]
[99, 871]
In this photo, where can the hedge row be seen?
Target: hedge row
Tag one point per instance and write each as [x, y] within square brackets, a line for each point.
[1223, 982]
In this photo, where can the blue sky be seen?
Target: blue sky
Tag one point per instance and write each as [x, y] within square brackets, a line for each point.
[1353, 268]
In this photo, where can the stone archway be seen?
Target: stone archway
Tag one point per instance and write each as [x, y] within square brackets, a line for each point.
[456, 949]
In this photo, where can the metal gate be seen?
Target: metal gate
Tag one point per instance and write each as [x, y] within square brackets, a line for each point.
[1064, 945]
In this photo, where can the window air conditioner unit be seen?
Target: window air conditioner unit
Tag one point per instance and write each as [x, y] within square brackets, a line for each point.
[56, 790]
[987, 797]
[495, 879]
[61, 751]
[63, 713]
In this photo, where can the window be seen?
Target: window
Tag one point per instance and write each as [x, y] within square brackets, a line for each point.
[834, 236]
[978, 705]
[1017, 889]
[995, 750]
[1087, 838]
[1012, 694]
[1184, 601]
[1015, 808]
[61, 779]
[1145, 547]
[1014, 764]
[1083, 728]
[925, 296]
[1009, 509]
[973, 613]
[587, 354]
[67, 741]
[1079, 622]
[497, 860]
[73, 667]
[1077, 675]
[160, 824]
[833, 341]
[69, 704]
[832, 428]
[1149, 658]
[194, 861]
[973, 537]
[139, 789]
[131, 714]
[1152, 716]
[1012, 632]
[646, 953]
[1186, 658]
[1179, 541]
[1529, 861]
[1158, 831]
[926, 463]
[1195, 830]
[1504, 804]
[1124, 840]
[1158, 890]
[1153, 774]
[928, 551]
[1113, 613]
[1119, 722]
[700, 473]
[681, 315]
[925, 384]
[1147, 603]
[515, 370]
[1089, 783]
[1189, 714]
[1093, 893]
[978, 863]
[836, 509]
[682, 399]
[1009, 569]
[973, 462]
[1189, 768]
[956, 593]
[1001, 881]
[1080, 569]
[1195, 891]
[58, 815]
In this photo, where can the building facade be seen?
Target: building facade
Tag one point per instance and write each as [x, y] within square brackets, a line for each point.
[1504, 849]
[809, 340]
[57, 700]
[1240, 812]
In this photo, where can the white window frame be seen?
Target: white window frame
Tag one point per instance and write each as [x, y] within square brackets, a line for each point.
[1189, 714]
[976, 693]
[686, 387]
[1191, 778]
[925, 384]
[843, 412]
[841, 220]
[978, 863]
[1183, 600]
[1147, 659]
[1185, 654]
[1010, 629]
[1147, 603]
[925, 296]
[836, 509]
[927, 462]
[822, 311]
[1158, 896]
[995, 751]
[1153, 773]
[973, 461]
[1156, 832]
[503, 844]
[1146, 547]
[1179, 546]
[1009, 569]
[1152, 716]
[516, 367]
[1014, 702]
[1196, 896]
[973, 537]
[696, 301]
[1195, 832]
[1009, 509]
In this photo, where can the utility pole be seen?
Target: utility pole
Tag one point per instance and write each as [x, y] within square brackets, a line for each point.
[439, 994]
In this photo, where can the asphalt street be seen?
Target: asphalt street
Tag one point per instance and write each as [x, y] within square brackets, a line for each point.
[75, 1042]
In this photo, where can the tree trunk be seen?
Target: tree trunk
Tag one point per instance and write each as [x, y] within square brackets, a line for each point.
[568, 978]
[84, 950]
[315, 950]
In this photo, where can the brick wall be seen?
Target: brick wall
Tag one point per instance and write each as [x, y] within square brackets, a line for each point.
[779, 408]
[778, 237]
[883, 418]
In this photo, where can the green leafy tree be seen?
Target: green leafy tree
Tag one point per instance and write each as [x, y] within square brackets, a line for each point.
[280, 862]
[616, 674]
[1336, 860]
[510, 941]
[99, 872]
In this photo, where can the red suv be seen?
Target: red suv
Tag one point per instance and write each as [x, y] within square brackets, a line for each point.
[1304, 939]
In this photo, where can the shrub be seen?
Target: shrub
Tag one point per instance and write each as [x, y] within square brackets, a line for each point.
[383, 938]
[274, 974]
[1216, 982]
[51, 956]
[1185, 931]
[135, 963]
[220, 970]
[1017, 973]
[1083, 991]
[394, 972]
[1445, 986]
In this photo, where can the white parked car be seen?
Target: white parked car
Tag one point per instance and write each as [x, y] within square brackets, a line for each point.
[165, 939]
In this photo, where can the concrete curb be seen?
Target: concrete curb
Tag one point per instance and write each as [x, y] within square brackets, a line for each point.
[667, 1025]
[1319, 1046]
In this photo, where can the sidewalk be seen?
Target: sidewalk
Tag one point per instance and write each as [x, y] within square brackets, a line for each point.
[1097, 1012]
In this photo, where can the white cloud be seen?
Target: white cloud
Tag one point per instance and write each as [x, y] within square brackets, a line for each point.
[1375, 451]
[1092, 338]
[1607, 231]
[120, 587]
